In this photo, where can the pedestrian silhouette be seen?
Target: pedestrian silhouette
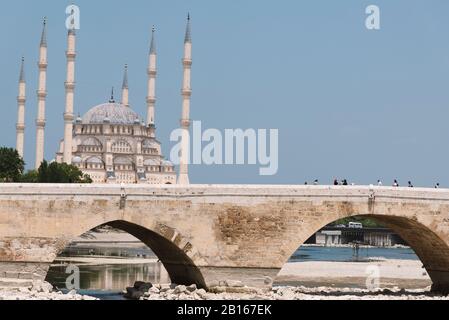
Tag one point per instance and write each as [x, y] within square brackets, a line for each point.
[410, 185]
[395, 183]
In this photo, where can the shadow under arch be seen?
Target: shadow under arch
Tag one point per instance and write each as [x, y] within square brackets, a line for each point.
[180, 267]
[428, 245]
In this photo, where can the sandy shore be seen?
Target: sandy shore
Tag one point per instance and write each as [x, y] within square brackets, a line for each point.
[400, 273]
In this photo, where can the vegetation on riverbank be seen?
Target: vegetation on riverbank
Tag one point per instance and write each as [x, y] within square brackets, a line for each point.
[12, 170]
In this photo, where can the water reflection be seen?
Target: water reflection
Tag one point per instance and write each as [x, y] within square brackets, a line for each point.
[110, 277]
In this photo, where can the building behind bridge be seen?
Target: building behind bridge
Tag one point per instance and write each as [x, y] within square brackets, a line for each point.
[334, 236]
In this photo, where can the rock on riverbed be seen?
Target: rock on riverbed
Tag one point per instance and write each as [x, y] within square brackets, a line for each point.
[40, 290]
[174, 292]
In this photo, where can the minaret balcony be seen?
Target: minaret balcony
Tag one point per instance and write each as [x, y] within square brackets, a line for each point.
[69, 85]
[41, 93]
[187, 62]
[41, 123]
[69, 117]
[152, 72]
[42, 65]
[151, 100]
[20, 127]
[186, 92]
[21, 99]
[185, 123]
[70, 54]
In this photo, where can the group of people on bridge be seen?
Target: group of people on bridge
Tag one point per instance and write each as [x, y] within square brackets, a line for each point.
[344, 182]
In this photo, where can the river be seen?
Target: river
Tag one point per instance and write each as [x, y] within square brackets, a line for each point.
[106, 281]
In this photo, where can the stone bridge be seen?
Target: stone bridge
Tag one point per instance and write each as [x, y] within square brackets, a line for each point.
[208, 233]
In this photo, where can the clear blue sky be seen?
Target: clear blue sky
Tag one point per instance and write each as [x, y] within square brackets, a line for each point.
[348, 102]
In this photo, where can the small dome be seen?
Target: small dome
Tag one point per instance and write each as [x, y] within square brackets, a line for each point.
[151, 162]
[167, 163]
[150, 144]
[76, 160]
[113, 113]
[91, 142]
[94, 160]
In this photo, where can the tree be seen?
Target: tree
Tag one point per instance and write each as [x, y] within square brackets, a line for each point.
[61, 173]
[30, 177]
[11, 165]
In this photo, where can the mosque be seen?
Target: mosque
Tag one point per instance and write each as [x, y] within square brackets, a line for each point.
[111, 143]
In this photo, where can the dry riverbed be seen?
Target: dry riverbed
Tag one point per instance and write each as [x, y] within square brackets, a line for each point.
[172, 292]
[39, 291]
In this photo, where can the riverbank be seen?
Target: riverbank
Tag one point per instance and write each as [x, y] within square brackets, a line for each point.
[40, 291]
[164, 292]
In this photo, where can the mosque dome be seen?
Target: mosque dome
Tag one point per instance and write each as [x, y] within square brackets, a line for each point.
[76, 160]
[113, 113]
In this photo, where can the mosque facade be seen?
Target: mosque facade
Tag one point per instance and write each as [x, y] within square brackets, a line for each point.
[111, 142]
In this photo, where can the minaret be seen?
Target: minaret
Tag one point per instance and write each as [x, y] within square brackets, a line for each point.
[152, 73]
[125, 88]
[69, 96]
[185, 121]
[21, 99]
[41, 97]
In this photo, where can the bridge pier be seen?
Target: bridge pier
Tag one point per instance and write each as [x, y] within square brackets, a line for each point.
[440, 281]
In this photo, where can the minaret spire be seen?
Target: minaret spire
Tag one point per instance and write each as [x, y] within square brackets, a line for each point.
[44, 34]
[153, 41]
[69, 94]
[125, 88]
[21, 99]
[22, 71]
[188, 37]
[41, 97]
[112, 100]
[186, 95]
[152, 73]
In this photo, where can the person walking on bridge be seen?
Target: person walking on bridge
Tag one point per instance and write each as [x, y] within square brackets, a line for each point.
[395, 183]
[410, 185]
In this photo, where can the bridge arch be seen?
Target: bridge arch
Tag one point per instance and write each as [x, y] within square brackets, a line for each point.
[428, 245]
[177, 260]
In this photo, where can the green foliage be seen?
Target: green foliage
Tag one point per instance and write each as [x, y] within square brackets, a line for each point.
[60, 173]
[30, 177]
[367, 222]
[11, 165]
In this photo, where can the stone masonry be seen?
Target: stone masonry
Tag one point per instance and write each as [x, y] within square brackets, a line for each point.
[208, 234]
